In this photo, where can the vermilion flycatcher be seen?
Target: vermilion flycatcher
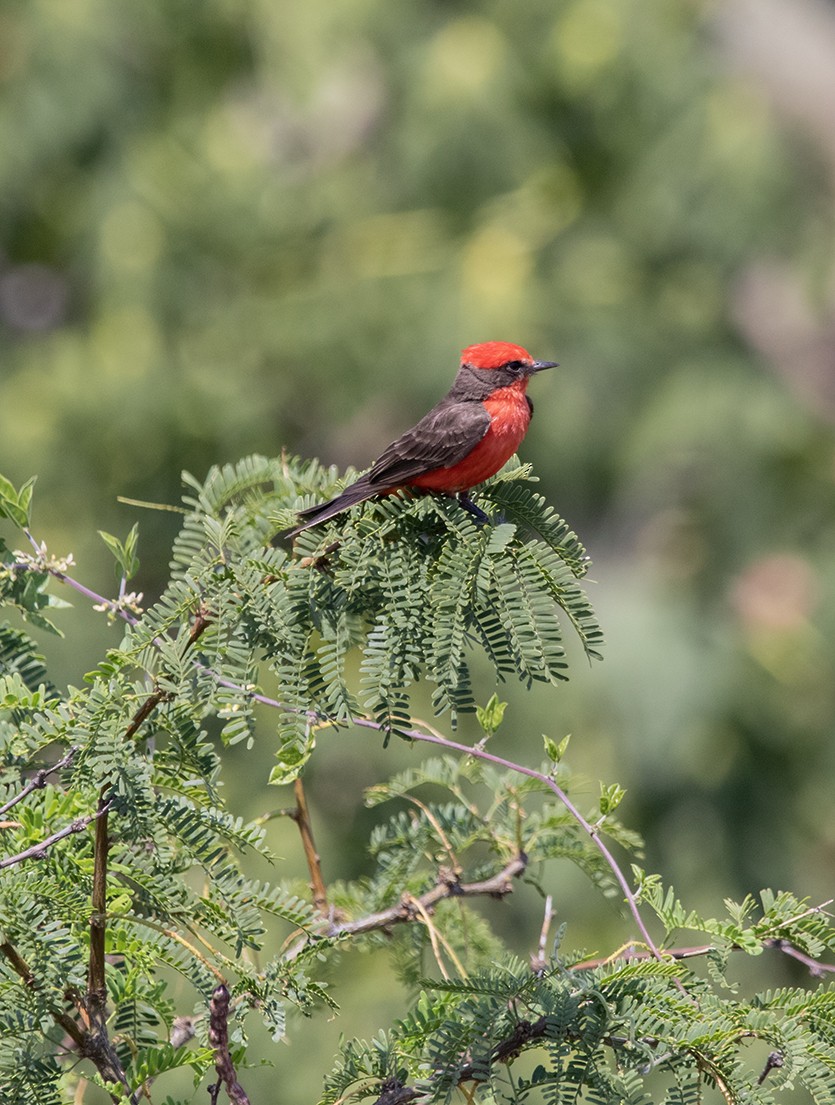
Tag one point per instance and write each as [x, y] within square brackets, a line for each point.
[462, 441]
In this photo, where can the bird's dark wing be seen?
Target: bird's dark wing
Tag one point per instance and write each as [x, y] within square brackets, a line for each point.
[442, 437]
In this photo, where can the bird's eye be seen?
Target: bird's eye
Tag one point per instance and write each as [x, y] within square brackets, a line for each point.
[515, 366]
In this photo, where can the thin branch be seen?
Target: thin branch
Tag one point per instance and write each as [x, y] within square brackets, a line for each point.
[202, 620]
[301, 816]
[631, 953]
[39, 563]
[411, 908]
[219, 1039]
[539, 961]
[437, 826]
[480, 753]
[39, 850]
[39, 779]
[773, 1062]
[437, 939]
[816, 969]
[448, 886]
[96, 985]
[172, 934]
[593, 831]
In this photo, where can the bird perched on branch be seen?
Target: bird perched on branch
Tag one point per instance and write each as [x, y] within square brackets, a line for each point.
[466, 438]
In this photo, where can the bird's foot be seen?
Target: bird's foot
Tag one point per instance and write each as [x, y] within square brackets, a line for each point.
[467, 503]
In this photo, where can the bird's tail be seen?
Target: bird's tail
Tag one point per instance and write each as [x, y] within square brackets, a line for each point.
[321, 512]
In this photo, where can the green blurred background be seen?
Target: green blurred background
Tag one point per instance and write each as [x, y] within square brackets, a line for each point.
[234, 226]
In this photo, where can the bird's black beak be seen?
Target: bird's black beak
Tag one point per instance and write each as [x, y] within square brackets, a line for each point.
[538, 366]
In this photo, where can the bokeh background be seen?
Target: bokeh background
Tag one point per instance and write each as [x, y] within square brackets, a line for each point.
[235, 226]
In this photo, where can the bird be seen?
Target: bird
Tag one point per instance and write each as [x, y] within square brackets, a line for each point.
[462, 441]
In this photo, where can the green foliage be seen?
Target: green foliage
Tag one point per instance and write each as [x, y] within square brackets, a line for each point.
[228, 226]
[124, 553]
[15, 504]
[606, 1033]
[128, 892]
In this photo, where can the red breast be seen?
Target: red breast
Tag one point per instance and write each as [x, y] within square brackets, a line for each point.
[510, 415]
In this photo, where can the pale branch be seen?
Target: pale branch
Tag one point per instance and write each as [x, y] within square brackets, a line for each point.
[409, 908]
[219, 1039]
[631, 954]
[39, 563]
[39, 850]
[39, 779]
[539, 960]
[593, 831]
[816, 969]
[301, 816]
[415, 909]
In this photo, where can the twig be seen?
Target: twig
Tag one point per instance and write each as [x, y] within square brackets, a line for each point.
[172, 934]
[816, 969]
[436, 939]
[219, 1039]
[437, 826]
[481, 753]
[448, 886]
[40, 564]
[39, 850]
[202, 620]
[301, 816]
[539, 961]
[773, 1062]
[96, 986]
[629, 952]
[38, 780]
[411, 908]
[393, 916]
